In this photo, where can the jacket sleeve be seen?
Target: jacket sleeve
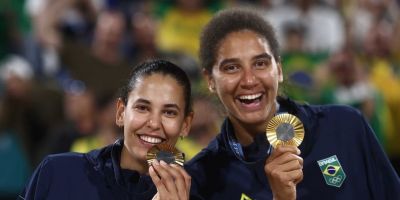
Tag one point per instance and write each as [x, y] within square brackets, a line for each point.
[39, 184]
[383, 181]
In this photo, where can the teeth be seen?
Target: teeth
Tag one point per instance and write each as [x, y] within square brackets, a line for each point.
[149, 139]
[250, 97]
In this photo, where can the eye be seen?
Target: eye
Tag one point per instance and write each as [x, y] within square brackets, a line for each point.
[141, 108]
[230, 68]
[261, 64]
[170, 113]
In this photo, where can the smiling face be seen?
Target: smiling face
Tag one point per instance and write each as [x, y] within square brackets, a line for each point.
[245, 77]
[154, 113]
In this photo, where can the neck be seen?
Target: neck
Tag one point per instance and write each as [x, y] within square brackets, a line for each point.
[245, 133]
[128, 162]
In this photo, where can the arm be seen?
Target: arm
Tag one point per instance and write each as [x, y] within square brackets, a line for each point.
[384, 182]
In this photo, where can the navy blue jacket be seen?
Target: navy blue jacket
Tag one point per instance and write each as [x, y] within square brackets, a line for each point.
[95, 175]
[217, 173]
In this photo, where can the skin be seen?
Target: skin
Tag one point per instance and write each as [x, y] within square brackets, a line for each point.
[155, 109]
[245, 67]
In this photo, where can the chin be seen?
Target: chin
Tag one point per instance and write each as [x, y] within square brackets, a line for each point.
[253, 119]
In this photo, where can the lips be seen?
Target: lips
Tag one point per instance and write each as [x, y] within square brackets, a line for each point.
[250, 98]
[151, 139]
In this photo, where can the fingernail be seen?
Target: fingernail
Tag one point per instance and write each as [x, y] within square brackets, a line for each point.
[163, 163]
[155, 162]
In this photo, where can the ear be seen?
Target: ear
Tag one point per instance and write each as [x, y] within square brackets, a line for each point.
[280, 73]
[210, 81]
[120, 114]
[187, 124]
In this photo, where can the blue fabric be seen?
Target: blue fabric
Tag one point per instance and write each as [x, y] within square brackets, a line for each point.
[95, 175]
[329, 130]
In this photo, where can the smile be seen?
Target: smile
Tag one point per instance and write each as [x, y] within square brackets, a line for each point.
[151, 139]
[248, 99]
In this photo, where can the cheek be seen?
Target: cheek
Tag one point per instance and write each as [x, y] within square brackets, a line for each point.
[172, 127]
[270, 80]
[134, 122]
[226, 84]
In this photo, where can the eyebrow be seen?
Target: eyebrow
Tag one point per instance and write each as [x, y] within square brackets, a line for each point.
[232, 60]
[229, 60]
[145, 101]
[170, 105]
[263, 55]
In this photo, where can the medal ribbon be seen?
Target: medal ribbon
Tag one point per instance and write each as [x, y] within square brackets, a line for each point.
[237, 147]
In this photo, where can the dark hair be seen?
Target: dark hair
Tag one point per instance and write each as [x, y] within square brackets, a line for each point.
[233, 20]
[163, 67]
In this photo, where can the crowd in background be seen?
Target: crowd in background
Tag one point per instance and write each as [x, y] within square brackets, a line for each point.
[62, 63]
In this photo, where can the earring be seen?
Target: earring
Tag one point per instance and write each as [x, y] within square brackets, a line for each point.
[211, 88]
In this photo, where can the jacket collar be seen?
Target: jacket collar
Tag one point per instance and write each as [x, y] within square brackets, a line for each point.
[106, 161]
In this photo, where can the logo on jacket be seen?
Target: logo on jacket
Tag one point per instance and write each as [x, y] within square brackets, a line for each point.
[244, 197]
[332, 171]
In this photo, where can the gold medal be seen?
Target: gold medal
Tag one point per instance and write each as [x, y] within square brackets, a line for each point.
[285, 129]
[165, 152]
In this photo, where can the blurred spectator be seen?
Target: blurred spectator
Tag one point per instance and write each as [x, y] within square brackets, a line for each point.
[362, 14]
[15, 27]
[180, 23]
[324, 25]
[15, 165]
[350, 86]
[205, 125]
[299, 64]
[106, 131]
[29, 109]
[144, 28]
[81, 111]
[142, 34]
[73, 18]
[100, 66]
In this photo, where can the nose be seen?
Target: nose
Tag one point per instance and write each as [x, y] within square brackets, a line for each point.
[249, 79]
[154, 121]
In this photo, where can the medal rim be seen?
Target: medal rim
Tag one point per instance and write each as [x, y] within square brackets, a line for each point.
[277, 120]
[179, 157]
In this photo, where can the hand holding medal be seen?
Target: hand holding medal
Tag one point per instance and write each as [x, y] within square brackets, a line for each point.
[285, 132]
[167, 173]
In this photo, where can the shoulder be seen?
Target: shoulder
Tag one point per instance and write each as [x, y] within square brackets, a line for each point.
[63, 158]
[205, 154]
[208, 162]
[338, 121]
[312, 111]
[63, 162]
[338, 112]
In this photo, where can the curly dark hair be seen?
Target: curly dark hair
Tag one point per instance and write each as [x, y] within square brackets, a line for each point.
[233, 20]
